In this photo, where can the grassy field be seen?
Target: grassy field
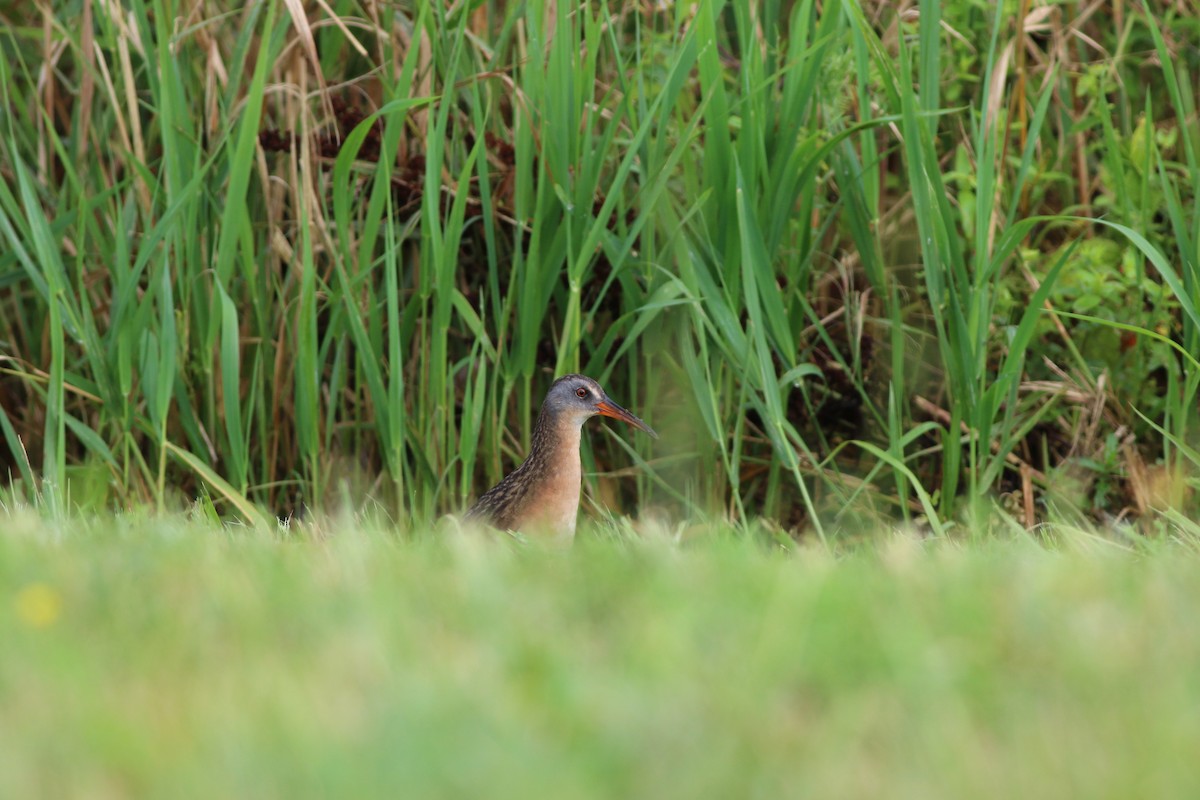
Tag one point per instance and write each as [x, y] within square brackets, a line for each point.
[867, 266]
[172, 658]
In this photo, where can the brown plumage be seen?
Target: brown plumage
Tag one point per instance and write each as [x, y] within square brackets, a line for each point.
[542, 495]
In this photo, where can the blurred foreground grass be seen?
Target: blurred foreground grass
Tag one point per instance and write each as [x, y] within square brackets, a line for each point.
[169, 658]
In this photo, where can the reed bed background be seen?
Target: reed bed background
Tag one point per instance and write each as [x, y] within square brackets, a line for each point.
[856, 261]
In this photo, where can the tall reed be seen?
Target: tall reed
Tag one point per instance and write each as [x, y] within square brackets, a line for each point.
[295, 252]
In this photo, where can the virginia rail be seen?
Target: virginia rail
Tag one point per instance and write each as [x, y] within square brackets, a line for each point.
[542, 495]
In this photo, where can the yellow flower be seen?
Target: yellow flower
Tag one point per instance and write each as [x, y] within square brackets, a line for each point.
[38, 605]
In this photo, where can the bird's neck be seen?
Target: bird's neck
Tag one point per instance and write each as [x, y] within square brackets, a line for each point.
[554, 464]
[555, 439]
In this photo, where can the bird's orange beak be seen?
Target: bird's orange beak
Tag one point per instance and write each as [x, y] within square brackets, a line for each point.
[610, 409]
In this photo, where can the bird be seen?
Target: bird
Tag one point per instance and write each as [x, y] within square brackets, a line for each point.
[541, 496]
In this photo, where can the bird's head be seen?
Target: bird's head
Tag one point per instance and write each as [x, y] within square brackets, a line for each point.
[578, 397]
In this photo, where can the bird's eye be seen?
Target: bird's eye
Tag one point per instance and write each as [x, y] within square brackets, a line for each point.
[581, 392]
